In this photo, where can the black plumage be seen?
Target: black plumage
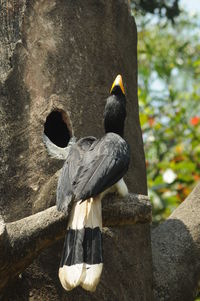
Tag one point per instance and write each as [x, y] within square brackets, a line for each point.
[115, 112]
[65, 191]
[92, 167]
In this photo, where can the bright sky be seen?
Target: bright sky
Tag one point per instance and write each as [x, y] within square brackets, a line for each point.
[190, 5]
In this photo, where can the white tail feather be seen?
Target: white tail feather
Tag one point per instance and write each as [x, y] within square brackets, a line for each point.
[91, 276]
[70, 276]
[85, 214]
[78, 216]
[91, 273]
[93, 213]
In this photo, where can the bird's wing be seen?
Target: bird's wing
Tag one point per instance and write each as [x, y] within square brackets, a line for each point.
[64, 188]
[64, 193]
[102, 166]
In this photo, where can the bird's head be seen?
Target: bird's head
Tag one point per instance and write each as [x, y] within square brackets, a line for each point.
[115, 109]
[117, 86]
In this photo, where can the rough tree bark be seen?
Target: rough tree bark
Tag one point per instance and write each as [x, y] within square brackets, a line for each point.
[22, 241]
[175, 243]
[176, 252]
[62, 55]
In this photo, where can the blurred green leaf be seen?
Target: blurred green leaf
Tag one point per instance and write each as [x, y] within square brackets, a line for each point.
[169, 98]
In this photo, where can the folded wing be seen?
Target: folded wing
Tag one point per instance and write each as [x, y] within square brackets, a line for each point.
[65, 190]
[104, 164]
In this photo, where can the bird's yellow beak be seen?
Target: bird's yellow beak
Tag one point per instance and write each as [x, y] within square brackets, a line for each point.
[118, 82]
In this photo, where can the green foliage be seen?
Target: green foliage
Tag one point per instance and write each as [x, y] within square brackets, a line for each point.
[169, 98]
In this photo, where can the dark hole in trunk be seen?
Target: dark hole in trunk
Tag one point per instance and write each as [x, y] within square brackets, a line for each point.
[56, 128]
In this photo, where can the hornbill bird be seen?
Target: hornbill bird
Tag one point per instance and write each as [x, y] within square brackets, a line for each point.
[93, 168]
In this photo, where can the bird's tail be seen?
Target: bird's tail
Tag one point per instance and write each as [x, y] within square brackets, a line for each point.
[82, 262]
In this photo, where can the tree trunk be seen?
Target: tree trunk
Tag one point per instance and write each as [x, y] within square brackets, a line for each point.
[58, 61]
[22, 241]
[176, 252]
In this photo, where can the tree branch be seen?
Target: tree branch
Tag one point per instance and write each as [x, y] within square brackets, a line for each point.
[22, 241]
[176, 252]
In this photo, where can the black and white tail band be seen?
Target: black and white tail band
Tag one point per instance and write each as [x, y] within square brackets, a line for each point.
[82, 259]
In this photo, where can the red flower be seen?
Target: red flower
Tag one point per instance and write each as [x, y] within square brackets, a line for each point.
[195, 120]
[196, 177]
[151, 121]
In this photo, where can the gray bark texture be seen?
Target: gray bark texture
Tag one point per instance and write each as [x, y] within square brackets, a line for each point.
[176, 252]
[22, 241]
[64, 55]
